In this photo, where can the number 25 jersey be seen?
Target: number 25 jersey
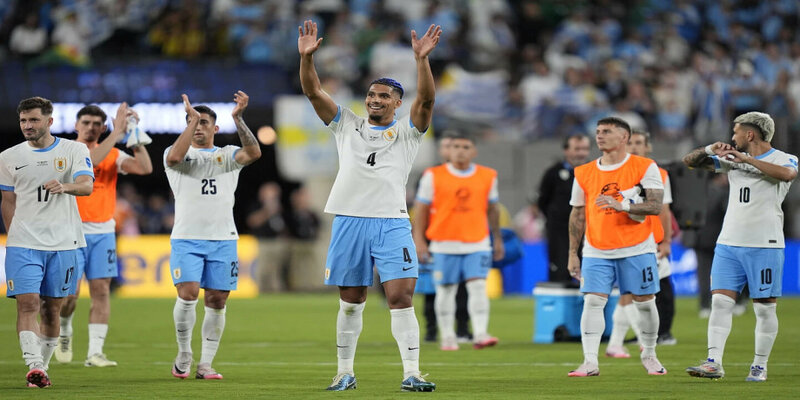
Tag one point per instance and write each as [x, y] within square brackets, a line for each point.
[374, 162]
[203, 185]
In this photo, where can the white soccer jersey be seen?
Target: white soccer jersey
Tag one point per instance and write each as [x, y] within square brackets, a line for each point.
[42, 220]
[754, 217]
[374, 162]
[203, 185]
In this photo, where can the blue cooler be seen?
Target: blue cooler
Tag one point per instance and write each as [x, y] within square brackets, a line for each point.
[557, 315]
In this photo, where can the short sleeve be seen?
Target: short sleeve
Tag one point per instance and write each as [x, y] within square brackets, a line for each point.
[667, 192]
[344, 116]
[226, 156]
[6, 180]
[81, 162]
[425, 190]
[652, 178]
[721, 165]
[578, 198]
[494, 197]
[121, 159]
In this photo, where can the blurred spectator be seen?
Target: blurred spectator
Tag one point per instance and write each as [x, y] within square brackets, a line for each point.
[125, 214]
[305, 267]
[28, 39]
[267, 224]
[71, 39]
[157, 216]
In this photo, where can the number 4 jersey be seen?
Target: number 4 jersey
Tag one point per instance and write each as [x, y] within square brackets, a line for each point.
[203, 185]
[42, 220]
[374, 162]
[754, 217]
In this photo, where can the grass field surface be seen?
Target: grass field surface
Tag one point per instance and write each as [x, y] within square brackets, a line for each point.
[283, 346]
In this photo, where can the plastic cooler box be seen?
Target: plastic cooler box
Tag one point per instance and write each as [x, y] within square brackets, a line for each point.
[557, 314]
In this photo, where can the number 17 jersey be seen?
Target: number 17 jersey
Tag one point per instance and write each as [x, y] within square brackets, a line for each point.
[203, 185]
[374, 162]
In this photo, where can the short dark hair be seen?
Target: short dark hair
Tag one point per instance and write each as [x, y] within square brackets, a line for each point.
[92, 110]
[571, 136]
[616, 121]
[35, 102]
[645, 134]
[458, 134]
[205, 110]
[395, 85]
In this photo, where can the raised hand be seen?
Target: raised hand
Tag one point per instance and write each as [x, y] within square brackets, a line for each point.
[241, 99]
[424, 45]
[121, 118]
[307, 42]
[191, 113]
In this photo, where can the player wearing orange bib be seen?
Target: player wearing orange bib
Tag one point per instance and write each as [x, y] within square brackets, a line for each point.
[619, 243]
[99, 258]
[456, 209]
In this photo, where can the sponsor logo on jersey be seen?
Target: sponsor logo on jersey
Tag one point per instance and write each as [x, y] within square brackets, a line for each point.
[60, 163]
[390, 135]
[88, 162]
[42, 163]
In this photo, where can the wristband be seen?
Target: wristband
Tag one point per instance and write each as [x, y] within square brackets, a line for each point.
[710, 150]
[626, 206]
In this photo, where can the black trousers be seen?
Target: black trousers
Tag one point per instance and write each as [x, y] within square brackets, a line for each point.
[665, 303]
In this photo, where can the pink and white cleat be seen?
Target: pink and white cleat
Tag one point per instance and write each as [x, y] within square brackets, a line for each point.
[488, 341]
[586, 369]
[653, 366]
[204, 371]
[182, 365]
[38, 377]
[617, 352]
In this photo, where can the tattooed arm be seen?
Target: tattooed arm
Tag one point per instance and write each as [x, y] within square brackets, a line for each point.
[650, 206]
[251, 151]
[577, 227]
[699, 158]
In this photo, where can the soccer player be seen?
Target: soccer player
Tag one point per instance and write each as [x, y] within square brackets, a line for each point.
[203, 178]
[371, 226]
[38, 179]
[619, 245]
[625, 314]
[456, 209]
[750, 246]
[99, 258]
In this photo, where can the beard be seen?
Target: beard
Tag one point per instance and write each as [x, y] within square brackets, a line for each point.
[36, 136]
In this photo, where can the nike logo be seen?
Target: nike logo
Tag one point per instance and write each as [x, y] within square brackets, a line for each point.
[182, 330]
[341, 347]
[175, 366]
[763, 289]
[589, 333]
[212, 340]
[19, 168]
[413, 348]
[406, 269]
[644, 286]
[25, 353]
[65, 288]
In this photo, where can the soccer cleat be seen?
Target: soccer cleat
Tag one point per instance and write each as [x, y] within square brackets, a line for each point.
[667, 340]
[708, 369]
[63, 352]
[617, 352]
[417, 383]
[488, 341]
[182, 365]
[343, 381]
[653, 366]
[585, 369]
[204, 371]
[30, 385]
[99, 360]
[449, 344]
[37, 376]
[757, 374]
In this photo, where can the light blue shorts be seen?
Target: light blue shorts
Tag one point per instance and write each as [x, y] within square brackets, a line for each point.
[99, 258]
[637, 275]
[760, 268]
[358, 244]
[213, 263]
[450, 269]
[425, 280]
[48, 273]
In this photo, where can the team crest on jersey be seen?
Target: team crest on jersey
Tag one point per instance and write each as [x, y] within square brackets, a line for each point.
[60, 164]
[327, 273]
[390, 135]
[176, 273]
[218, 159]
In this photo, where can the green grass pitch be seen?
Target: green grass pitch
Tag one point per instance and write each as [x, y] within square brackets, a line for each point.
[283, 346]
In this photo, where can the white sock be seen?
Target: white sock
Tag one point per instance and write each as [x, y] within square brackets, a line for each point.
[184, 315]
[620, 328]
[766, 331]
[405, 330]
[31, 347]
[648, 322]
[213, 326]
[348, 327]
[66, 325]
[719, 325]
[633, 319]
[97, 338]
[478, 308]
[445, 306]
[593, 323]
[49, 345]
